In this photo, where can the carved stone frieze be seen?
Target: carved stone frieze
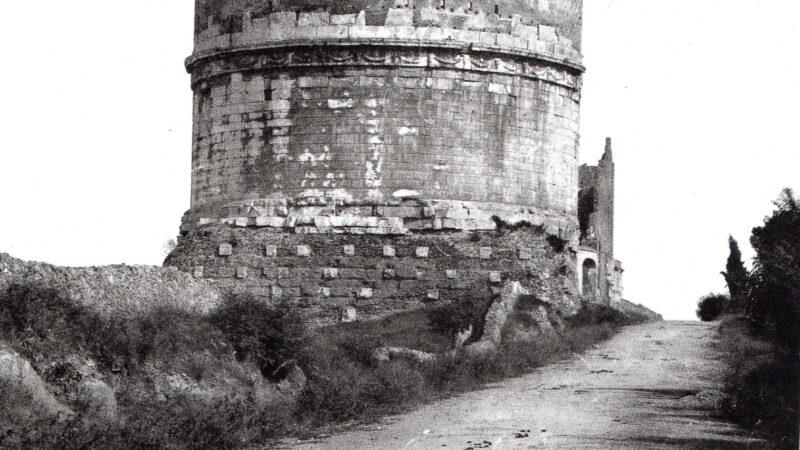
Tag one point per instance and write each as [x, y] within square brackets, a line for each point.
[386, 56]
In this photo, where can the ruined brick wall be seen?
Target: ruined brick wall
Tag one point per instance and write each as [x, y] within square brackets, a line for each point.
[596, 216]
[373, 276]
[381, 120]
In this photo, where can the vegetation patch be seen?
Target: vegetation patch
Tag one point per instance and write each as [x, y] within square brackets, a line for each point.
[249, 372]
[710, 307]
[759, 335]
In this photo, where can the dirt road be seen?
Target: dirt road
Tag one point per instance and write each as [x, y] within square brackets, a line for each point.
[648, 387]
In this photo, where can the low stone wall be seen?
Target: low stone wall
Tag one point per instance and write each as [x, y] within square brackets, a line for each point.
[331, 276]
[637, 311]
[118, 290]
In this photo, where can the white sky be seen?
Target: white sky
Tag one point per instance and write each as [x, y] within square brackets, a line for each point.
[700, 96]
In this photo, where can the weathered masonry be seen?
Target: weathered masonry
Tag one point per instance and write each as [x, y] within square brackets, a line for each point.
[369, 156]
[599, 274]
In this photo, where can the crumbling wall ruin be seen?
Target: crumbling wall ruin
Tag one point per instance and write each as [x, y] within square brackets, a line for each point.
[121, 291]
[600, 275]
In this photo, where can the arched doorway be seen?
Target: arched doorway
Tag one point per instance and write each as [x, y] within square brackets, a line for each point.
[589, 277]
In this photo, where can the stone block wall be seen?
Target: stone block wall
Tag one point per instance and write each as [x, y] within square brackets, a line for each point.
[548, 18]
[367, 135]
[330, 275]
[361, 103]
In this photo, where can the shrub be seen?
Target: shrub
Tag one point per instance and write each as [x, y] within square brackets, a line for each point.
[269, 336]
[458, 316]
[592, 314]
[760, 382]
[40, 320]
[711, 306]
[556, 243]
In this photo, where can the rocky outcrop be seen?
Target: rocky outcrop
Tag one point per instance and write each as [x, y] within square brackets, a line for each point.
[24, 396]
[386, 354]
[515, 315]
[97, 401]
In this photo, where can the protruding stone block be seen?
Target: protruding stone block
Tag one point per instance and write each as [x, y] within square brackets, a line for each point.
[330, 273]
[241, 272]
[389, 274]
[276, 292]
[225, 250]
[365, 293]
[400, 17]
[548, 33]
[486, 252]
[271, 251]
[349, 250]
[343, 19]
[495, 277]
[452, 274]
[303, 250]
[422, 252]
[325, 292]
[389, 251]
[525, 253]
[349, 314]
[433, 294]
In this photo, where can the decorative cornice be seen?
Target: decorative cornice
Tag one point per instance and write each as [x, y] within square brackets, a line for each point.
[385, 53]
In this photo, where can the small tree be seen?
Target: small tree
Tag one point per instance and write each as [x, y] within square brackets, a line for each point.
[736, 276]
[711, 306]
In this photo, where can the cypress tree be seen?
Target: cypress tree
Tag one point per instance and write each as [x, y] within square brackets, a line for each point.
[736, 276]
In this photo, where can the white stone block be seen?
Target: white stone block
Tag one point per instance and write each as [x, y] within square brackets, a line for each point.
[225, 250]
[389, 251]
[422, 252]
[397, 17]
[330, 273]
[303, 250]
[548, 33]
[349, 314]
[343, 19]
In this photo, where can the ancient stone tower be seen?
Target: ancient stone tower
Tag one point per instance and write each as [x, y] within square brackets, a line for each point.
[369, 156]
[599, 274]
